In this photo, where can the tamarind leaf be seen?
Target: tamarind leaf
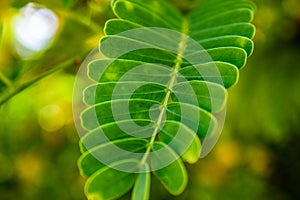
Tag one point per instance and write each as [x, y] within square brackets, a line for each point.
[158, 97]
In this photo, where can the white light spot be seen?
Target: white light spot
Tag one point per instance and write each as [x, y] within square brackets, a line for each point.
[34, 28]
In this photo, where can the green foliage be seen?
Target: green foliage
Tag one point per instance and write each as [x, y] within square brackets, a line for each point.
[38, 142]
[223, 29]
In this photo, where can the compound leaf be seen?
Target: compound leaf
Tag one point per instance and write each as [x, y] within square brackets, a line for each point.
[157, 92]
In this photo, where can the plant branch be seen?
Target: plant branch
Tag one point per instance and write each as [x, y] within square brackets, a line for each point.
[6, 80]
[24, 86]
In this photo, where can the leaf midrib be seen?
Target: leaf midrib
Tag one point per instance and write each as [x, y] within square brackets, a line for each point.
[173, 80]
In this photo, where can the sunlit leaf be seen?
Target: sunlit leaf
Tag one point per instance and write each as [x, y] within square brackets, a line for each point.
[174, 176]
[159, 89]
[109, 183]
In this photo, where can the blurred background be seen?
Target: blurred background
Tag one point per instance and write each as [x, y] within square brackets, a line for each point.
[256, 157]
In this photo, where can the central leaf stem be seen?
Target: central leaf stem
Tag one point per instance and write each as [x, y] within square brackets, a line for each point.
[177, 66]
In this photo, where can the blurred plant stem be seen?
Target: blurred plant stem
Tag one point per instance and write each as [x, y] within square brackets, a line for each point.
[15, 89]
[6, 81]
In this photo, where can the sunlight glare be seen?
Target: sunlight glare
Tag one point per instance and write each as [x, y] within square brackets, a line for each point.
[34, 28]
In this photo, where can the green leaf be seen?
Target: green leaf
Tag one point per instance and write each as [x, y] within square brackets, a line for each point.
[105, 91]
[141, 189]
[151, 10]
[95, 138]
[109, 183]
[173, 177]
[205, 122]
[89, 163]
[228, 72]
[102, 113]
[123, 25]
[159, 91]
[241, 15]
[210, 96]
[236, 29]
[145, 51]
[232, 55]
[192, 154]
[220, 7]
[178, 141]
[177, 136]
[231, 41]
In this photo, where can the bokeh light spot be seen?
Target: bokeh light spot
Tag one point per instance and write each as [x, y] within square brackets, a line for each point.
[33, 28]
[51, 118]
[29, 168]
